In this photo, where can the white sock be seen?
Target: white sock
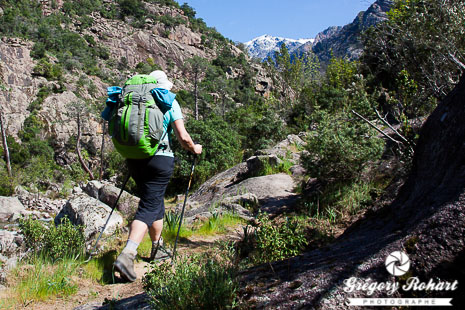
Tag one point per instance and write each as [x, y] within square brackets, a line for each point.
[131, 246]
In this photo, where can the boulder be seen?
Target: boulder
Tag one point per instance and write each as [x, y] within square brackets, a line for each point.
[9, 206]
[298, 171]
[247, 200]
[264, 187]
[290, 148]
[127, 203]
[93, 189]
[9, 242]
[91, 213]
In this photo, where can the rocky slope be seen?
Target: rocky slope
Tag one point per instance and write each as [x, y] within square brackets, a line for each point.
[426, 221]
[345, 41]
[167, 46]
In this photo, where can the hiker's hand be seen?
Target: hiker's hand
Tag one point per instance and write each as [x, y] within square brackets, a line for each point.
[197, 149]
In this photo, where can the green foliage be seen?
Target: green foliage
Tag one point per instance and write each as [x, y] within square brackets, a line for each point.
[293, 72]
[276, 241]
[218, 223]
[171, 226]
[222, 150]
[341, 148]
[148, 66]
[188, 11]
[423, 41]
[197, 282]
[169, 21]
[51, 35]
[53, 242]
[171, 3]
[48, 70]
[82, 7]
[7, 183]
[101, 268]
[42, 281]
[340, 199]
[132, 8]
[258, 123]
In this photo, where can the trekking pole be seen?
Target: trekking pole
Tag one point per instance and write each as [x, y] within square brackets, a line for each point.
[184, 206]
[108, 219]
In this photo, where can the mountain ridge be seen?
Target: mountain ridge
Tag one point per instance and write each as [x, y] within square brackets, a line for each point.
[340, 41]
[265, 45]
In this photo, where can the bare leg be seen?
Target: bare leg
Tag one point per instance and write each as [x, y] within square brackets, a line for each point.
[137, 231]
[155, 230]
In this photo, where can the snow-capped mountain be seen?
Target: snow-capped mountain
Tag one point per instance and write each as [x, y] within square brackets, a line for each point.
[266, 45]
[336, 41]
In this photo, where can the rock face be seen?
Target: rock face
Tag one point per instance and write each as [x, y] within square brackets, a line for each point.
[345, 41]
[243, 189]
[167, 46]
[16, 72]
[92, 214]
[9, 206]
[426, 221]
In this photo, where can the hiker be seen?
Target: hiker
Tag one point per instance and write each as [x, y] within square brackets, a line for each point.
[152, 175]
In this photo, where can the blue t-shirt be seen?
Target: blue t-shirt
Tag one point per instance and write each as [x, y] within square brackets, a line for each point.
[171, 115]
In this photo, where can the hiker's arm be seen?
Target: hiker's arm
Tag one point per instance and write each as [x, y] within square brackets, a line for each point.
[184, 138]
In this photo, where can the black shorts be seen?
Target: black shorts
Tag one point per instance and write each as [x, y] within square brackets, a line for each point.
[151, 176]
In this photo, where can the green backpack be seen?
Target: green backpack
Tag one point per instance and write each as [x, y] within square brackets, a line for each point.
[136, 126]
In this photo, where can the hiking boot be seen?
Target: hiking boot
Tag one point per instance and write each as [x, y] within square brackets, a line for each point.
[124, 264]
[154, 251]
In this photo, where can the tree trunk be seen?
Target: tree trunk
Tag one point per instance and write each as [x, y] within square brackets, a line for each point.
[78, 140]
[5, 145]
[101, 150]
[196, 103]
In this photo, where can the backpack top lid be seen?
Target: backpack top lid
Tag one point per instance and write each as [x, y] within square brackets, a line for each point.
[140, 79]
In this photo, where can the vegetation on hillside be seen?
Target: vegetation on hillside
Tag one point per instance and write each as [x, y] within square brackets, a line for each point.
[409, 63]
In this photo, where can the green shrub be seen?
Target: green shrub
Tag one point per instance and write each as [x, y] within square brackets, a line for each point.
[340, 148]
[193, 283]
[277, 241]
[148, 66]
[7, 183]
[222, 150]
[53, 242]
[49, 71]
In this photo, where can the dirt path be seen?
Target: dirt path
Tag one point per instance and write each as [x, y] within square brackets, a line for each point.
[92, 295]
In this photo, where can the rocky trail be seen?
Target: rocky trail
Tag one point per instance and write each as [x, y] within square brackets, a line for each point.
[121, 294]
[241, 190]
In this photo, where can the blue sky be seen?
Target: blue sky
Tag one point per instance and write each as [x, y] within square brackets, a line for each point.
[243, 20]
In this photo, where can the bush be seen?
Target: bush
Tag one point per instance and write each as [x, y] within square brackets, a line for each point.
[221, 151]
[7, 183]
[193, 283]
[48, 70]
[53, 242]
[340, 148]
[276, 242]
